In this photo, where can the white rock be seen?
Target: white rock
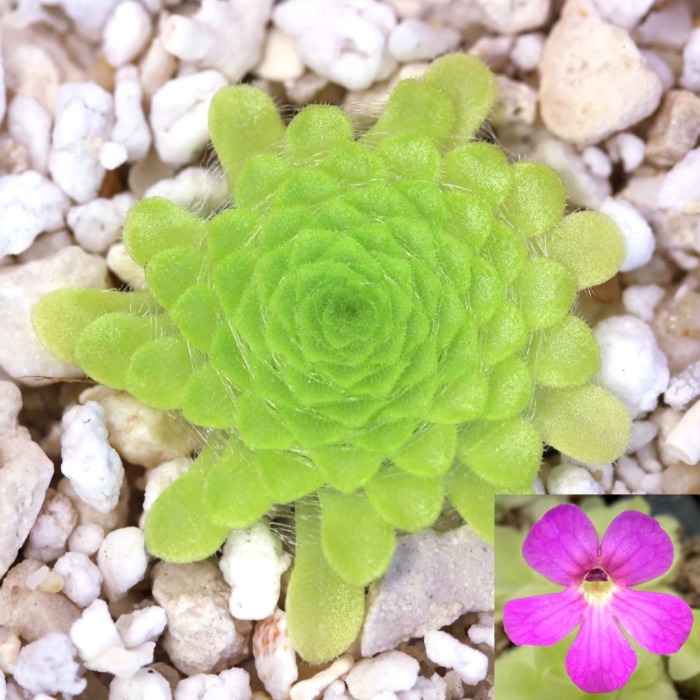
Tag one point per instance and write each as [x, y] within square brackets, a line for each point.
[389, 671]
[130, 126]
[49, 534]
[95, 632]
[86, 539]
[633, 367]
[48, 666]
[29, 123]
[233, 684]
[201, 636]
[179, 115]
[642, 299]
[664, 72]
[122, 559]
[22, 356]
[92, 466]
[112, 155]
[145, 684]
[680, 189]
[205, 37]
[100, 646]
[280, 61]
[98, 224]
[594, 81]
[141, 434]
[684, 387]
[675, 129]
[196, 189]
[570, 479]
[82, 579]
[275, 660]
[142, 625]
[88, 16]
[123, 266]
[506, 17]
[643, 432]
[631, 473]
[690, 78]
[623, 13]
[337, 690]
[527, 51]
[415, 40]
[83, 122]
[160, 477]
[683, 442]
[627, 148]
[45, 245]
[517, 103]
[484, 632]
[428, 570]
[597, 162]
[668, 26]
[29, 205]
[444, 650]
[341, 40]
[639, 238]
[25, 474]
[126, 33]
[10, 645]
[252, 564]
[313, 687]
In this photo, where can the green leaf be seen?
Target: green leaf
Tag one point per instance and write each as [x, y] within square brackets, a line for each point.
[430, 451]
[324, 613]
[178, 526]
[587, 422]
[243, 122]
[406, 501]
[356, 541]
[287, 476]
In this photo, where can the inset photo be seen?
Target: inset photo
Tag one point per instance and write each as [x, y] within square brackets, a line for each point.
[597, 597]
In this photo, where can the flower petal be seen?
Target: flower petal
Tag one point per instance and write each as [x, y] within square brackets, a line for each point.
[544, 619]
[562, 545]
[600, 659]
[635, 549]
[658, 621]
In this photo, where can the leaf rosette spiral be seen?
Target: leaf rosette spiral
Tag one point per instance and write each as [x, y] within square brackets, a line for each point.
[378, 323]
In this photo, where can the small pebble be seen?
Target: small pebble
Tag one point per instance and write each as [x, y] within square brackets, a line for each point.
[145, 684]
[122, 560]
[252, 564]
[93, 467]
[49, 534]
[415, 40]
[444, 650]
[642, 299]
[275, 660]
[639, 238]
[179, 115]
[389, 671]
[48, 666]
[86, 538]
[82, 579]
[126, 33]
[82, 123]
[680, 188]
[633, 367]
[570, 479]
[313, 687]
[142, 625]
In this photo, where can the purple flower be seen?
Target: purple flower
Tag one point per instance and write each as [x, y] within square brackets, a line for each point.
[563, 546]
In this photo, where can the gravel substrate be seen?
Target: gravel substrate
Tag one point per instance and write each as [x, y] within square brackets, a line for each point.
[105, 102]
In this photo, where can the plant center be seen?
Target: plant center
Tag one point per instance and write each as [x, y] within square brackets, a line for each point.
[597, 587]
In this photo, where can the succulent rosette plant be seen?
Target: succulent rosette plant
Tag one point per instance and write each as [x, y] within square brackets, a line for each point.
[378, 323]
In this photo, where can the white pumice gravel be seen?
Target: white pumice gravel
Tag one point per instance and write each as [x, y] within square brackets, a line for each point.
[83, 121]
[48, 666]
[642, 300]
[54, 525]
[179, 115]
[633, 366]
[122, 560]
[82, 579]
[126, 32]
[29, 205]
[98, 224]
[313, 687]
[233, 684]
[92, 466]
[145, 684]
[252, 564]
[684, 440]
[142, 625]
[680, 189]
[570, 479]
[444, 650]
[390, 671]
